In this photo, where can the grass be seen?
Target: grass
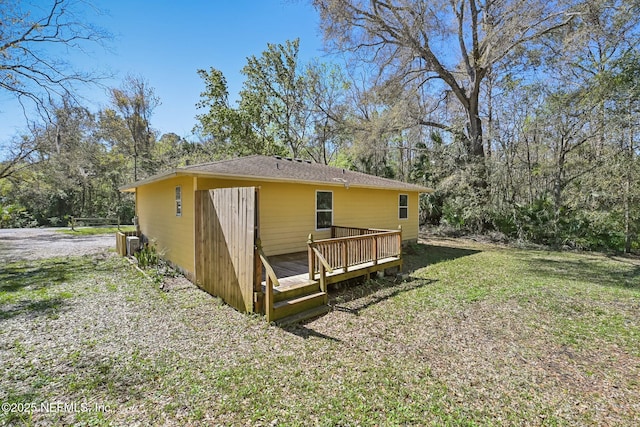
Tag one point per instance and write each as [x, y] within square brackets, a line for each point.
[91, 231]
[477, 335]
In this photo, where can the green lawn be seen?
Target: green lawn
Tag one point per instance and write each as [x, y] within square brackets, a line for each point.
[477, 335]
[90, 231]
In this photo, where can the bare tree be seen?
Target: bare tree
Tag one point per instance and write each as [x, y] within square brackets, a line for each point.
[446, 46]
[29, 34]
[21, 152]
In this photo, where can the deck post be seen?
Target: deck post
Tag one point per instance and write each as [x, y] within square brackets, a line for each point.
[400, 247]
[268, 298]
[312, 258]
[323, 282]
[345, 257]
[374, 250]
[257, 277]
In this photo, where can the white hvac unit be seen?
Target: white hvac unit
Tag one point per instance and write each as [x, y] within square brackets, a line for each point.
[133, 244]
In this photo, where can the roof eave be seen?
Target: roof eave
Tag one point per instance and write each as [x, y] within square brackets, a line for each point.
[298, 181]
[131, 188]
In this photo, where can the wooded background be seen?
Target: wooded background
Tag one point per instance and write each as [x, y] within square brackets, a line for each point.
[522, 114]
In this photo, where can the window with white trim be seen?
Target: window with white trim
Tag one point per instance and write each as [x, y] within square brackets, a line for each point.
[403, 206]
[178, 201]
[324, 210]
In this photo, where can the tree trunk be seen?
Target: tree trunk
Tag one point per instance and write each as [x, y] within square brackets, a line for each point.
[628, 234]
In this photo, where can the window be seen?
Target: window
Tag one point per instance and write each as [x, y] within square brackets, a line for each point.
[324, 210]
[178, 201]
[403, 206]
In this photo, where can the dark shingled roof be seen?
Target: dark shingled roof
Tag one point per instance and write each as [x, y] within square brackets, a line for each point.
[283, 170]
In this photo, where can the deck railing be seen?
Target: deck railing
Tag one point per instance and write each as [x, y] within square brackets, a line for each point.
[344, 252]
[271, 281]
[340, 231]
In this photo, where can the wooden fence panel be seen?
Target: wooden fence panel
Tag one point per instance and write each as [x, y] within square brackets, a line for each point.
[225, 241]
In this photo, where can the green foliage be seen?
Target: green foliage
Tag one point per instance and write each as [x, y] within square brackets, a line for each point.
[270, 117]
[453, 214]
[586, 230]
[147, 256]
[16, 216]
[431, 208]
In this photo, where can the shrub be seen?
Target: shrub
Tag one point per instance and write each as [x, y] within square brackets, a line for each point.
[147, 256]
[15, 216]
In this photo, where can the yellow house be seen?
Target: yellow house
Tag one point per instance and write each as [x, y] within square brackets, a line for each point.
[220, 223]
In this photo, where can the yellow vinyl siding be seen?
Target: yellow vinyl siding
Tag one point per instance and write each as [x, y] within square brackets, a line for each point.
[172, 235]
[360, 207]
[287, 211]
[287, 214]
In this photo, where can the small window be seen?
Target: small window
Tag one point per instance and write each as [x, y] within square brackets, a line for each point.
[403, 206]
[324, 210]
[178, 201]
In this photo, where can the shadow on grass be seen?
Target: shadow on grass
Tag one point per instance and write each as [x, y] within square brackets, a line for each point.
[25, 286]
[303, 332]
[356, 295]
[609, 274]
[33, 275]
[354, 299]
[420, 255]
[41, 307]
[16, 277]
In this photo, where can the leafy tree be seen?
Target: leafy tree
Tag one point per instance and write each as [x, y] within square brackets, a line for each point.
[135, 101]
[273, 94]
[325, 91]
[273, 83]
[238, 131]
[20, 153]
[272, 115]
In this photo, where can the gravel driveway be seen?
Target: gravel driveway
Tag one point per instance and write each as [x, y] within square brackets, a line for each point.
[18, 244]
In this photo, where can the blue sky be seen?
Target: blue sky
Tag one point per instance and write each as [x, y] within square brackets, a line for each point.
[165, 42]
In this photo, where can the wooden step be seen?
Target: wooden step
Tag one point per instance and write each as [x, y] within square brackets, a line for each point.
[307, 314]
[282, 293]
[298, 305]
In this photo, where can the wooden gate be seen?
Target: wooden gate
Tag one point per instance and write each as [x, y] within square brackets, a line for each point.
[226, 229]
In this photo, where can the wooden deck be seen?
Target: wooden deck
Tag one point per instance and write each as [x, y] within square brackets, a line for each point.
[293, 269]
[296, 285]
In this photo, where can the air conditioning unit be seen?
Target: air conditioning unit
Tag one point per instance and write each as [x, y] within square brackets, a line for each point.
[133, 244]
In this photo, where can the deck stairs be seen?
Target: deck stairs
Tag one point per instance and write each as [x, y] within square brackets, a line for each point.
[298, 302]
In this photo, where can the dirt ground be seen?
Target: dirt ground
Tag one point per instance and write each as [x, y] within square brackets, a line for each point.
[18, 244]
